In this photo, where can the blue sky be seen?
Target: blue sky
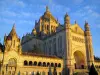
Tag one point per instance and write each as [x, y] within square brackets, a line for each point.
[24, 13]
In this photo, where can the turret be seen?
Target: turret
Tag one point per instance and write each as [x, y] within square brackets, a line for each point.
[12, 42]
[87, 28]
[68, 45]
[67, 21]
[89, 48]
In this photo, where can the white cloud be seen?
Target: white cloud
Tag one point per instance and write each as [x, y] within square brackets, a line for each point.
[22, 14]
[8, 21]
[7, 3]
[77, 1]
[26, 22]
[87, 11]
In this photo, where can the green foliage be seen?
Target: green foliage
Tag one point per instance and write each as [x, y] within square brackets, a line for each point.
[2, 47]
[93, 70]
[75, 73]
[37, 73]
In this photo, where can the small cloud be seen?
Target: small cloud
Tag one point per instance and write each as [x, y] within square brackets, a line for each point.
[25, 22]
[7, 21]
[98, 25]
[7, 3]
[77, 1]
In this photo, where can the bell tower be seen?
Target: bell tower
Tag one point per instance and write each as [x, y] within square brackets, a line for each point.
[89, 48]
[68, 44]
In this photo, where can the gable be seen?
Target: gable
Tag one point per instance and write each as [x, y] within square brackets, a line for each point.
[76, 29]
[11, 54]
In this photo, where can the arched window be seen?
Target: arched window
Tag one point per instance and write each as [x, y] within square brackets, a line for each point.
[99, 66]
[30, 63]
[48, 64]
[39, 64]
[55, 64]
[25, 63]
[59, 65]
[47, 27]
[35, 63]
[52, 65]
[60, 44]
[44, 64]
[14, 44]
[12, 62]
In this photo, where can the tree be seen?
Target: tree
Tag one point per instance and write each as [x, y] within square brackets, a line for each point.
[55, 71]
[37, 73]
[93, 70]
[49, 73]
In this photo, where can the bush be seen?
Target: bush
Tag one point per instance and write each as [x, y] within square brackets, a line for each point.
[93, 70]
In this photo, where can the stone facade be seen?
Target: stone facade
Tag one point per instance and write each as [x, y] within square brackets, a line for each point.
[49, 45]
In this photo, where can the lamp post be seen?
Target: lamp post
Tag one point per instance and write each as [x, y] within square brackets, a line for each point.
[0, 66]
[6, 68]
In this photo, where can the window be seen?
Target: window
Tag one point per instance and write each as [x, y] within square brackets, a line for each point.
[39, 64]
[12, 62]
[60, 44]
[25, 63]
[14, 44]
[52, 65]
[30, 63]
[59, 65]
[54, 46]
[47, 27]
[50, 43]
[55, 64]
[35, 63]
[44, 64]
[48, 64]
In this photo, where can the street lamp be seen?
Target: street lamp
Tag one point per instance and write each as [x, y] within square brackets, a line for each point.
[6, 68]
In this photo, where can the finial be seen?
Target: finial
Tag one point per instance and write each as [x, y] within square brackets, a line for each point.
[47, 9]
[57, 19]
[5, 34]
[75, 22]
[35, 21]
[86, 22]
[66, 14]
[14, 26]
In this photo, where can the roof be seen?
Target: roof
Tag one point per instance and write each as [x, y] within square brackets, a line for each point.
[13, 31]
[47, 14]
[40, 55]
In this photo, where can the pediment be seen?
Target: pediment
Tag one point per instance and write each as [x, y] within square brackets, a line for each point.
[77, 29]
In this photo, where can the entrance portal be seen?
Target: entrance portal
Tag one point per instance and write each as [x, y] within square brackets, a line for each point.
[79, 60]
[11, 66]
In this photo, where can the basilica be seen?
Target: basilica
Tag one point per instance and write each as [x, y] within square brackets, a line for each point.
[50, 49]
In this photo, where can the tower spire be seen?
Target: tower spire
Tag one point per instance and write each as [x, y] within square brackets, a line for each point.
[13, 31]
[87, 28]
[89, 47]
[75, 22]
[67, 21]
[47, 8]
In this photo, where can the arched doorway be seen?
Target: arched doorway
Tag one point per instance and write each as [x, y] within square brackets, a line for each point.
[79, 60]
[11, 66]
